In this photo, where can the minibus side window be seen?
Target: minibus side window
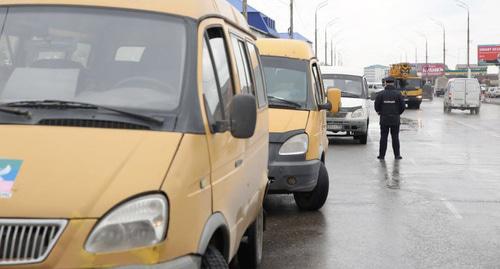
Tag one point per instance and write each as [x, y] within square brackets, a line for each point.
[259, 77]
[211, 87]
[217, 47]
[320, 95]
[243, 66]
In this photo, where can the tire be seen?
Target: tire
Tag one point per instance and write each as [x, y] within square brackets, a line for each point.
[478, 109]
[363, 139]
[250, 252]
[417, 106]
[213, 259]
[314, 200]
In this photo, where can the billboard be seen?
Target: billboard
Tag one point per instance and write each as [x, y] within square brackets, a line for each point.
[488, 55]
[433, 70]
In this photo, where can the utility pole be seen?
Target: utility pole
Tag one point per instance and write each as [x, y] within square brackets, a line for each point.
[444, 47]
[245, 9]
[291, 19]
[416, 55]
[321, 5]
[331, 52]
[464, 5]
[441, 24]
[425, 69]
[468, 39]
[328, 25]
[426, 59]
[335, 56]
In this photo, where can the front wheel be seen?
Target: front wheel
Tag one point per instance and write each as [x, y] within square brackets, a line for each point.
[213, 259]
[250, 252]
[315, 199]
[363, 139]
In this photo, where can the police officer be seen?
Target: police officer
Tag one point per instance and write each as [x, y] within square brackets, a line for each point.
[389, 104]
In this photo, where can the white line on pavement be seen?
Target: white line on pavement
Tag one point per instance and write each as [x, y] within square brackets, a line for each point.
[452, 208]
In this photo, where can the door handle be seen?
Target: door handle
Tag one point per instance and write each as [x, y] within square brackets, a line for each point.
[238, 163]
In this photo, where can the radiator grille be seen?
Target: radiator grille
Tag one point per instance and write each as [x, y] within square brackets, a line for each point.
[28, 241]
[93, 124]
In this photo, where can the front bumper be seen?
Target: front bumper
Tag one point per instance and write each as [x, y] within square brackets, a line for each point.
[412, 99]
[293, 176]
[356, 126]
[186, 262]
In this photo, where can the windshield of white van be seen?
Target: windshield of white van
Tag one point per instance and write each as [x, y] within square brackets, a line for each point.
[287, 82]
[351, 86]
[107, 57]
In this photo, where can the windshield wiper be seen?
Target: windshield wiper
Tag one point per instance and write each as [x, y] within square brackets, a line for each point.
[58, 104]
[284, 101]
[14, 111]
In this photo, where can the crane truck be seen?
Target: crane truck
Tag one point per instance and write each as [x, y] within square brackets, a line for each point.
[410, 85]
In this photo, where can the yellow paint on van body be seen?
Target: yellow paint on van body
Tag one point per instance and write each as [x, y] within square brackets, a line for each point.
[284, 120]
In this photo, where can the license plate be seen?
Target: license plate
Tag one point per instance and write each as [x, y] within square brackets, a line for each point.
[335, 127]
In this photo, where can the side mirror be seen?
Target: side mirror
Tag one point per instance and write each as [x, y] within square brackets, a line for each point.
[334, 97]
[243, 116]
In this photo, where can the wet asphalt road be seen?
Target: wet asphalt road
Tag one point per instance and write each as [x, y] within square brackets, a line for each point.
[437, 208]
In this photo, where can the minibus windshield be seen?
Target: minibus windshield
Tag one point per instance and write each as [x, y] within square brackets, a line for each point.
[130, 60]
[287, 82]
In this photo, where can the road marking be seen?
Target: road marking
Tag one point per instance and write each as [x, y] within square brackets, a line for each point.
[452, 208]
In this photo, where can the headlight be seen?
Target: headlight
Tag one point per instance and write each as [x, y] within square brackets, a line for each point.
[419, 97]
[295, 145]
[138, 223]
[360, 113]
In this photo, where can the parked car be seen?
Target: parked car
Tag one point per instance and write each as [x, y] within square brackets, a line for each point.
[493, 92]
[354, 117]
[150, 155]
[298, 105]
[463, 94]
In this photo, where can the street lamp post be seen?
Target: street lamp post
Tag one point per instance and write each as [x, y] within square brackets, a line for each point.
[426, 55]
[464, 5]
[328, 25]
[335, 54]
[444, 39]
[320, 6]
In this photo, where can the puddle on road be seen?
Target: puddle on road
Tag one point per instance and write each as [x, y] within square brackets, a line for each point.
[392, 176]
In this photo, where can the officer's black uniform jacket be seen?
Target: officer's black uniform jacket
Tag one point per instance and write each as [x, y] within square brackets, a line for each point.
[390, 104]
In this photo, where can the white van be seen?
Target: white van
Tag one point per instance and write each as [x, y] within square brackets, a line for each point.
[463, 94]
[354, 116]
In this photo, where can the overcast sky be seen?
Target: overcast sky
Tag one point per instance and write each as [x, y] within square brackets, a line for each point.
[387, 31]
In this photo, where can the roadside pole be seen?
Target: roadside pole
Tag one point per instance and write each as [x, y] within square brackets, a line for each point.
[245, 9]
[291, 20]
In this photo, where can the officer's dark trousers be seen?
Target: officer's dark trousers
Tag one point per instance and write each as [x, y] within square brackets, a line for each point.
[384, 133]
